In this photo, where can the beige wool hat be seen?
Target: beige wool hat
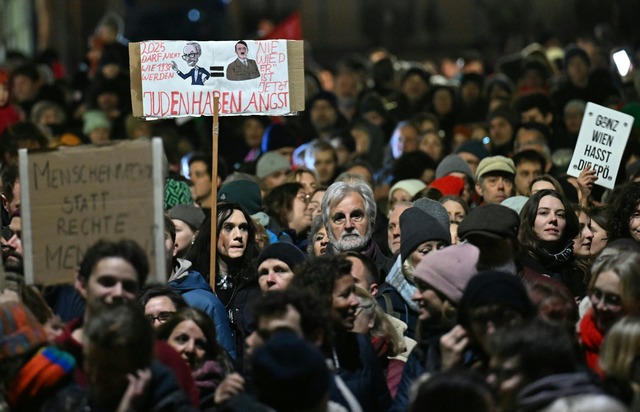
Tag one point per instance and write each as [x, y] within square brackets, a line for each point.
[495, 164]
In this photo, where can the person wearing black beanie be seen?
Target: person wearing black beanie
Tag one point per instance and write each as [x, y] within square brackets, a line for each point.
[421, 233]
[493, 288]
[490, 301]
[290, 374]
[275, 265]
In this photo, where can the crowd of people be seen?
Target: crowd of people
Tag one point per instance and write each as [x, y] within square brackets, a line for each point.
[410, 242]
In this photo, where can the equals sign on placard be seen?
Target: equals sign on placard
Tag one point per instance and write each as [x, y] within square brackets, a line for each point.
[216, 71]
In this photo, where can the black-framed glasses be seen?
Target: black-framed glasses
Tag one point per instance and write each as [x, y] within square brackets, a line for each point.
[190, 56]
[162, 317]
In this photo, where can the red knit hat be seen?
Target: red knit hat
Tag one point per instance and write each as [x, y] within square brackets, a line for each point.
[449, 185]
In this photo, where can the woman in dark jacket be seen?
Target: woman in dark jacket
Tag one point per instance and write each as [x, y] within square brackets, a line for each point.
[236, 277]
[548, 226]
[351, 355]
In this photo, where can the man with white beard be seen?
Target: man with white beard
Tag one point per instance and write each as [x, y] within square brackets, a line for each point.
[348, 213]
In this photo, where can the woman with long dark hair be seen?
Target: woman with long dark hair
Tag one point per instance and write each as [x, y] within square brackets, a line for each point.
[236, 278]
[548, 226]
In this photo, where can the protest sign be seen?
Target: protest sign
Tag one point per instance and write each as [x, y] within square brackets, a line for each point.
[182, 78]
[75, 196]
[601, 142]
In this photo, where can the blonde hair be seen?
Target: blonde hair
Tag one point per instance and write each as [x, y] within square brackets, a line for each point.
[382, 326]
[626, 264]
[620, 349]
[408, 270]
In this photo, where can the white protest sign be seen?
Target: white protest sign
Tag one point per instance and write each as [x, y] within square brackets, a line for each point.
[603, 136]
[181, 78]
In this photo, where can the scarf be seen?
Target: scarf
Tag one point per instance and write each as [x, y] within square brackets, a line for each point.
[591, 340]
[42, 372]
[562, 256]
[406, 290]
[381, 346]
[208, 376]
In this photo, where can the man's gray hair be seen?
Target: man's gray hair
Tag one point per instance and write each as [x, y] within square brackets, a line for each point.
[339, 190]
[196, 45]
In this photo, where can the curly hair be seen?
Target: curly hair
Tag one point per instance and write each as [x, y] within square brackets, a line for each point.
[319, 275]
[315, 319]
[624, 207]
[526, 234]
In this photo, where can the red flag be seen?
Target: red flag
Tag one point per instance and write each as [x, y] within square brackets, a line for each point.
[289, 28]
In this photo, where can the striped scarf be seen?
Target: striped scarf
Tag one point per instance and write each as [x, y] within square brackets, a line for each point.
[42, 372]
[396, 279]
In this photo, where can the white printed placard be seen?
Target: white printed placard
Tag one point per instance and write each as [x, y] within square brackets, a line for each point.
[182, 78]
[601, 142]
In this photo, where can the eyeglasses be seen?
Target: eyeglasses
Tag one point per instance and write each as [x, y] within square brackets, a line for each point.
[608, 299]
[304, 197]
[190, 55]
[162, 317]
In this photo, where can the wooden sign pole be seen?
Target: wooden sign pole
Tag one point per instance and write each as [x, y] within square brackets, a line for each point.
[214, 194]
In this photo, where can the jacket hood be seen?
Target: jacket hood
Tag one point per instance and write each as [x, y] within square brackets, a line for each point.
[189, 280]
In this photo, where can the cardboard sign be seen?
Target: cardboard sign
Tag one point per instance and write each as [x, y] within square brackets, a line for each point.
[181, 78]
[603, 136]
[75, 196]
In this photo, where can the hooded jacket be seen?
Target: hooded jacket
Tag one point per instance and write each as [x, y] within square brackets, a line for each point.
[198, 294]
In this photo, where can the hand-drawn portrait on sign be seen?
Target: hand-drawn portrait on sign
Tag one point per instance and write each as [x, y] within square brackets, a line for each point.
[242, 68]
[191, 53]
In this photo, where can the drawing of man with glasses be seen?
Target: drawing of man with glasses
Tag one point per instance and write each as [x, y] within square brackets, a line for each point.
[191, 53]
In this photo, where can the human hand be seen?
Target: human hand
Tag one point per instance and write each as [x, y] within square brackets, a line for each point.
[586, 179]
[174, 65]
[452, 346]
[230, 386]
[137, 384]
